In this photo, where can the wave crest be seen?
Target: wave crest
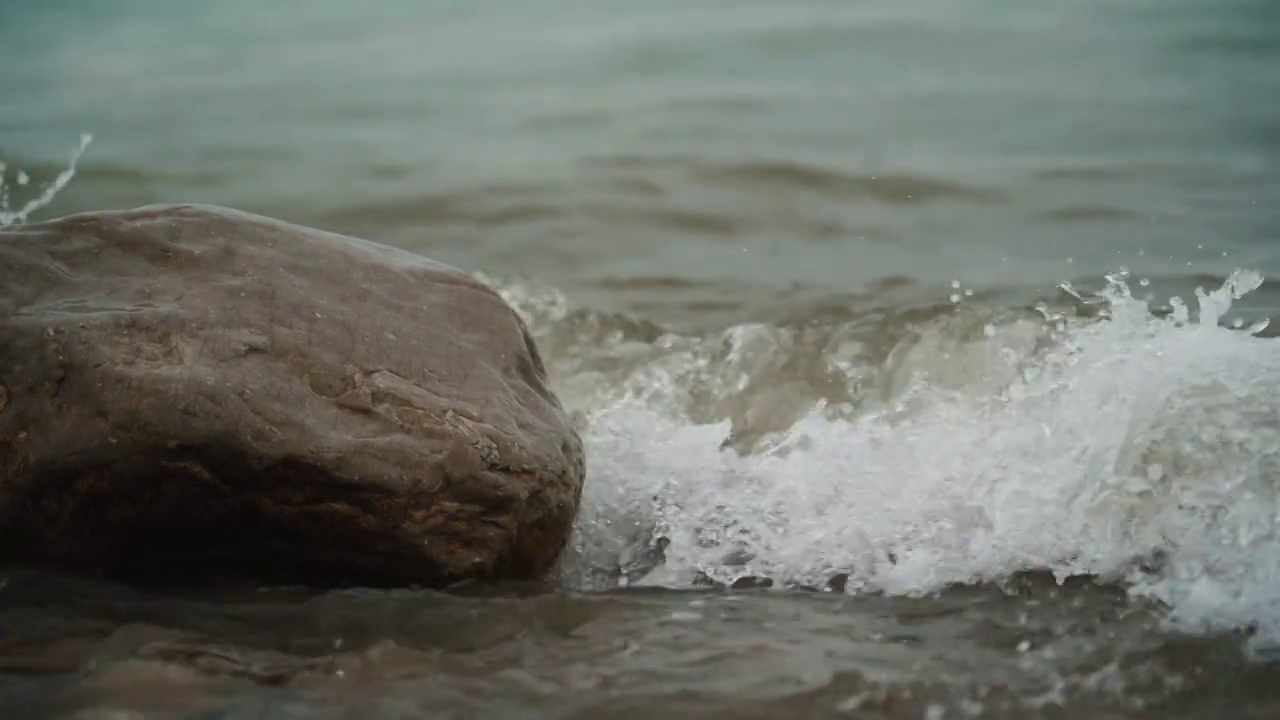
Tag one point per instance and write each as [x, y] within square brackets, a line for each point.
[908, 451]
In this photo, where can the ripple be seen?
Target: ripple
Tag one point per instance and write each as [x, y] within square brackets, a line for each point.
[1087, 213]
[889, 188]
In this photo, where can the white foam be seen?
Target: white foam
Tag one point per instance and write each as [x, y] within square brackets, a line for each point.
[1130, 438]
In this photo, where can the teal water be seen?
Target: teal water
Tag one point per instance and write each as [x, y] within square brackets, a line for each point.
[819, 142]
[796, 269]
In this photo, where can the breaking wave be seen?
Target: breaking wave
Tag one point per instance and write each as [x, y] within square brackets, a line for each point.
[908, 451]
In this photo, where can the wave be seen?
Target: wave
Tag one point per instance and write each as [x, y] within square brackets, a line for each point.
[769, 177]
[631, 204]
[913, 449]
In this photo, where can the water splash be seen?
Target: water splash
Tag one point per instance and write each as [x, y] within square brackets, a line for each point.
[1140, 449]
[46, 195]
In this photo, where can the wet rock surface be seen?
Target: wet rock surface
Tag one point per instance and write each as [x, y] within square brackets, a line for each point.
[195, 392]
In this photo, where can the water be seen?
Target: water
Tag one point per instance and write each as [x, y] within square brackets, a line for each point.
[907, 340]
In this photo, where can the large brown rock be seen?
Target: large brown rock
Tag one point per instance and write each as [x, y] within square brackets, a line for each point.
[195, 390]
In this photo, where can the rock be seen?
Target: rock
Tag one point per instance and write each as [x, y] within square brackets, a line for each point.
[196, 392]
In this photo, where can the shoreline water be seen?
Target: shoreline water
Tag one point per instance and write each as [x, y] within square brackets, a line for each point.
[945, 605]
[903, 456]
[826, 289]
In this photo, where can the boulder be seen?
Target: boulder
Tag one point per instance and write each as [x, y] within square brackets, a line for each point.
[194, 392]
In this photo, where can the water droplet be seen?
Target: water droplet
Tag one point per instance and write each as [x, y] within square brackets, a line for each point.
[1024, 646]
[955, 284]
[1237, 323]
[989, 330]
[955, 298]
[48, 192]
[1144, 282]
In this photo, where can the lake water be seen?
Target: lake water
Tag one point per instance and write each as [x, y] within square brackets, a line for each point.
[925, 314]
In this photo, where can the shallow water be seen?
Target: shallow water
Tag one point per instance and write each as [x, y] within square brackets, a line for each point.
[1031, 650]
[890, 307]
